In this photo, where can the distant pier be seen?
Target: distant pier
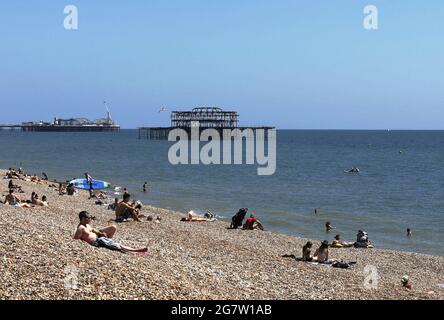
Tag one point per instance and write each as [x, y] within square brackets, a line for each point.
[53, 128]
[207, 117]
[66, 125]
[10, 127]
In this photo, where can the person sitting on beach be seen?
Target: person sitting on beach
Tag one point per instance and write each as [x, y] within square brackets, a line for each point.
[238, 218]
[338, 243]
[11, 174]
[362, 240]
[252, 223]
[62, 189]
[15, 200]
[306, 251]
[124, 210]
[45, 201]
[70, 190]
[45, 176]
[11, 185]
[321, 254]
[100, 238]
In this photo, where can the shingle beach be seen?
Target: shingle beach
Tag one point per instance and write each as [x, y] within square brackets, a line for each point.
[40, 260]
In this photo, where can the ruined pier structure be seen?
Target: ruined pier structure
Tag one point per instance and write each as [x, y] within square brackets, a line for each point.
[206, 117]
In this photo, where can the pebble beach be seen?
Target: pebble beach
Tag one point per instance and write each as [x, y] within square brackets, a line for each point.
[40, 260]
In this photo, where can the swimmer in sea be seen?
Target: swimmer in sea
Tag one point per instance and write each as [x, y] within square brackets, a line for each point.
[328, 226]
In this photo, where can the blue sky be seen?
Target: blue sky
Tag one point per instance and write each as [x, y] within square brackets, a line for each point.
[293, 64]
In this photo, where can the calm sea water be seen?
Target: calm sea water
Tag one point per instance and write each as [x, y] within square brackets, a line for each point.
[393, 191]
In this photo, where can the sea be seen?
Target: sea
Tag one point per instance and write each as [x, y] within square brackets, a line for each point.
[400, 184]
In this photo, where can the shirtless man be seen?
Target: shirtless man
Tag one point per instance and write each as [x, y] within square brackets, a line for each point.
[14, 200]
[125, 210]
[321, 254]
[36, 201]
[100, 238]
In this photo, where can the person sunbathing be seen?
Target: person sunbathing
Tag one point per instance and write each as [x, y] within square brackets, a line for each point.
[125, 210]
[252, 223]
[100, 238]
[338, 243]
[195, 218]
[15, 200]
[37, 202]
[97, 195]
[35, 179]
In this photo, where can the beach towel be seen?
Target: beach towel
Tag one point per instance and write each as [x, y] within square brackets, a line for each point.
[331, 263]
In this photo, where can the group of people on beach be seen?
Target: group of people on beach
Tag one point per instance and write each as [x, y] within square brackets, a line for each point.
[126, 210]
[14, 199]
[98, 238]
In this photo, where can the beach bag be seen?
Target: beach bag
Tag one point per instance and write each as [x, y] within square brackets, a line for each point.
[342, 264]
[238, 218]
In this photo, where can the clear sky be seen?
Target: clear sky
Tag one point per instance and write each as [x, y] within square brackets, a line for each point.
[294, 64]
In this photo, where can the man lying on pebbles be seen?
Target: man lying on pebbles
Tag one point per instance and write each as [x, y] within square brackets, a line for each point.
[100, 238]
